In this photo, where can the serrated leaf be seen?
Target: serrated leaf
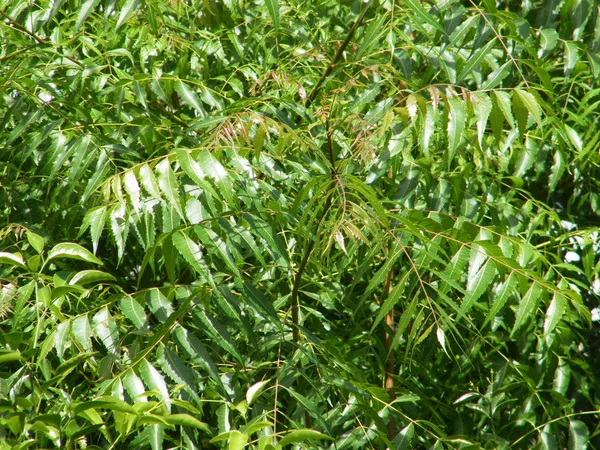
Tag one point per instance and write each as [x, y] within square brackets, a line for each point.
[482, 106]
[95, 219]
[149, 181]
[190, 251]
[500, 296]
[106, 329]
[571, 57]
[302, 435]
[531, 104]
[578, 435]
[168, 184]
[132, 188]
[134, 312]
[134, 386]
[185, 420]
[504, 103]
[86, 9]
[72, 251]
[527, 307]
[90, 276]
[82, 331]
[155, 381]
[219, 332]
[495, 78]
[175, 368]
[475, 60]
[457, 119]
[128, 9]
[160, 306]
[478, 283]
[548, 40]
[554, 314]
[189, 97]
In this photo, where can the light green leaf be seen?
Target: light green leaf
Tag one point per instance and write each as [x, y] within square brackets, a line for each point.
[128, 9]
[475, 60]
[482, 106]
[501, 295]
[189, 97]
[562, 377]
[86, 9]
[155, 381]
[72, 251]
[392, 299]
[13, 259]
[132, 188]
[190, 251]
[273, 8]
[91, 276]
[555, 312]
[571, 57]
[457, 119]
[548, 40]
[302, 435]
[134, 312]
[36, 241]
[478, 284]
[82, 331]
[496, 77]
[185, 420]
[527, 307]
[106, 329]
[134, 386]
[578, 435]
[503, 101]
[531, 104]
[168, 184]
[254, 390]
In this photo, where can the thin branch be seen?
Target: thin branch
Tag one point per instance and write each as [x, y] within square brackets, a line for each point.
[336, 57]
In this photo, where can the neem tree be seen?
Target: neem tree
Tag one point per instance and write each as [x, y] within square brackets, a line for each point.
[339, 225]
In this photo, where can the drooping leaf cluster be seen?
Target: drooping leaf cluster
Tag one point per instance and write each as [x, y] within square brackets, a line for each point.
[254, 224]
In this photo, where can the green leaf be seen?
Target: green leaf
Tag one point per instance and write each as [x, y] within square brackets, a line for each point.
[168, 184]
[578, 435]
[128, 9]
[185, 420]
[91, 276]
[155, 381]
[482, 106]
[273, 8]
[548, 40]
[495, 78]
[302, 435]
[82, 331]
[457, 119]
[36, 241]
[571, 57]
[13, 259]
[527, 306]
[392, 299]
[72, 251]
[555, 312]
[134, 312]
[531, 104]
[86, 9]
[475, 60]
[254, 391]
[500, 295]
[190, 251]
[189, 97]
[106, 329]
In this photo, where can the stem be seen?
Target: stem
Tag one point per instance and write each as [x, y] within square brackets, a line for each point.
[389, 382]
[336, 57]
[296, 288]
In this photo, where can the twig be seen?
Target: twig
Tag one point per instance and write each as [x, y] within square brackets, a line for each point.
[336, 57]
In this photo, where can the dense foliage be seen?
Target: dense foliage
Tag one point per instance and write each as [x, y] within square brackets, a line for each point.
[260, 224]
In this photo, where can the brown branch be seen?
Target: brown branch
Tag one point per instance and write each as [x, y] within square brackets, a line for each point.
[389, 382]
[336, 57]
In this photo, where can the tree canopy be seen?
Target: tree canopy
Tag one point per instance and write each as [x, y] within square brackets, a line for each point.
[277, 224]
